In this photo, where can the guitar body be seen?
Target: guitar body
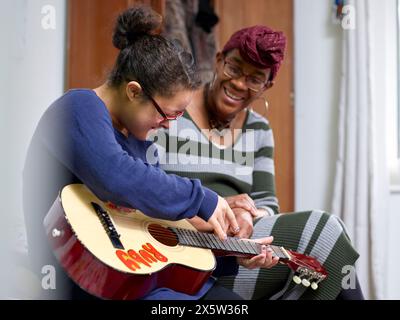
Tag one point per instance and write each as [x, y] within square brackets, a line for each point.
[142, 264]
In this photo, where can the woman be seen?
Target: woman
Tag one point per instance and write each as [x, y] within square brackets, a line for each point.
[229, 148]
[98, 137]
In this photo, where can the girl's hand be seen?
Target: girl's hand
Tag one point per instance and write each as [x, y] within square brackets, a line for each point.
[263, 260]
[223, 220]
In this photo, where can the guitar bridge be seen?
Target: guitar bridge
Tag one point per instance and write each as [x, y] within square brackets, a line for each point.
[108, 225]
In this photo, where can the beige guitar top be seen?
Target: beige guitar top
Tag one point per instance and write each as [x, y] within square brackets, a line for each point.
[134, 235]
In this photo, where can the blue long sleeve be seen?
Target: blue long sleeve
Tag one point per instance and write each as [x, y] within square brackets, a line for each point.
[115, 167]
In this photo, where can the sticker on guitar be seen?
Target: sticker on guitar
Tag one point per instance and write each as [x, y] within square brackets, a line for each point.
[145, 256]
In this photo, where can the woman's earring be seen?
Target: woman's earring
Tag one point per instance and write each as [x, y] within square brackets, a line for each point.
[213, 80]
[266, 107]
[266, 104]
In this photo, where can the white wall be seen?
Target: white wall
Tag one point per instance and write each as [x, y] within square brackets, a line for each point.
[317, 75]
[388, 57]
[317, 78]
[31, 77]
[393, 259]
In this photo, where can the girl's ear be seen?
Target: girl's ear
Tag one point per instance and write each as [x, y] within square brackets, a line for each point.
[133, 89]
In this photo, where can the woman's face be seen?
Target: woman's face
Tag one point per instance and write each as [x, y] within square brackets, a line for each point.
[232, 94]
[141, 116]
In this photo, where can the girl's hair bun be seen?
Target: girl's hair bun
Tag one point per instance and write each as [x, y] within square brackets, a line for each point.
[134, 23]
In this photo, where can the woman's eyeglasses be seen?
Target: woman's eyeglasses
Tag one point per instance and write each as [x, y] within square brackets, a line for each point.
[255, 83]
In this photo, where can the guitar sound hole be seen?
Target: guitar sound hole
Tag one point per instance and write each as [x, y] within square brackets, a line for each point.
[163, 235]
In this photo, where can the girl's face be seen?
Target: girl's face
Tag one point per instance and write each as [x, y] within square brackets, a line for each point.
[144, 114]
[237, 83]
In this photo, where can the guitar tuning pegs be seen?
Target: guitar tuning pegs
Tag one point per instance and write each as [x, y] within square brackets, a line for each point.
[305, 282]
[314, 286]
[297, 279]
[308, 278]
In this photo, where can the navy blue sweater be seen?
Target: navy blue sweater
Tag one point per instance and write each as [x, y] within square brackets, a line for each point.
[75, 141]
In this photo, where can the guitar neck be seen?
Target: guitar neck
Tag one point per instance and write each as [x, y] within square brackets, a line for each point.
[232, 246]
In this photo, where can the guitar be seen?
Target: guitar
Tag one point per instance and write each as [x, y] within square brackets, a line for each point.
[116, 254]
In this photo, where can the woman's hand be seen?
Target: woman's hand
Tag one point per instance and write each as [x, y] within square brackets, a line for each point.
[245, 221]
[243, 218]
[263, 260]
[242, 201]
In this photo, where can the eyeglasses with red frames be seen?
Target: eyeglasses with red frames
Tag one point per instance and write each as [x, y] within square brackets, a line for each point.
[162, 113]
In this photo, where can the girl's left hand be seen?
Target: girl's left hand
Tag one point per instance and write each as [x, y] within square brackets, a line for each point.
[264, 259]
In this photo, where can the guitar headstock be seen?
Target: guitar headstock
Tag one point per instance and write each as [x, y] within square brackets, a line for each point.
[308, 271]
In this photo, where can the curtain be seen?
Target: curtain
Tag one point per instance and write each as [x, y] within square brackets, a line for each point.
[361, 191]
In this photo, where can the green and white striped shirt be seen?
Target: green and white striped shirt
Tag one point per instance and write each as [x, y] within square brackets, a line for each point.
[245, 167]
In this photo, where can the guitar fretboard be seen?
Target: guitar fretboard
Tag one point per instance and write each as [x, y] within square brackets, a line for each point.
[233, 245]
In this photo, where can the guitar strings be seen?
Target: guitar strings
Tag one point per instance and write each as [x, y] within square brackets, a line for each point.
[168, 236]
[192, 234]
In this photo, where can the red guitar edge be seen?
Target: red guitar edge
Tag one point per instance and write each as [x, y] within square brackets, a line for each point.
[104, 281]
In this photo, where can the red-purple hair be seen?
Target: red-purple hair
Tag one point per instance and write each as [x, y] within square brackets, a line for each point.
[259, 46]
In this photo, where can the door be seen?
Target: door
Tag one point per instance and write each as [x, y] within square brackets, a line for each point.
[91, 55]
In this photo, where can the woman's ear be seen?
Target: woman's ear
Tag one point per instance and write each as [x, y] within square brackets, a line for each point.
[133, 89]
[218, 58]
[269, 85]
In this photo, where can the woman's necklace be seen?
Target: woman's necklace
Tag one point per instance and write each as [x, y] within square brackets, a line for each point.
[214, 121]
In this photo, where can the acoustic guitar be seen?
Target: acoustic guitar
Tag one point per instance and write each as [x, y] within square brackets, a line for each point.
[124, 254]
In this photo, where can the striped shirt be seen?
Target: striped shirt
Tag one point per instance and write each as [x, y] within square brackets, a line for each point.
[245, 167]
